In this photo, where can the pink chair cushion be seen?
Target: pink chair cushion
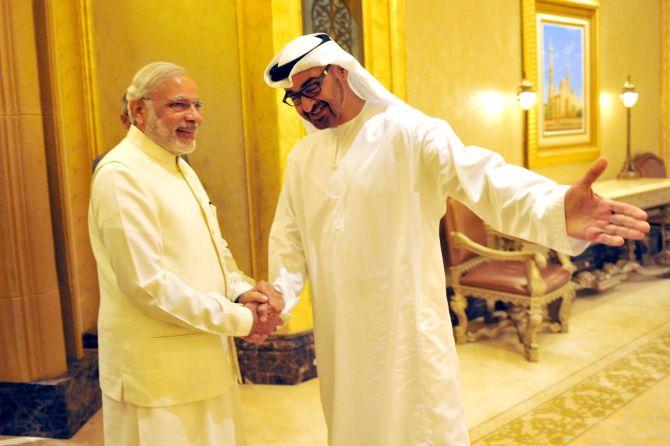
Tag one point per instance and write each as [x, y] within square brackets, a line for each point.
[511, 277]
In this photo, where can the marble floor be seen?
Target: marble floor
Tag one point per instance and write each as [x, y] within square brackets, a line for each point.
[500, 387]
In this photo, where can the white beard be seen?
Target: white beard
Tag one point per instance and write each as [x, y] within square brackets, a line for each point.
[179, 150]
[162, 136]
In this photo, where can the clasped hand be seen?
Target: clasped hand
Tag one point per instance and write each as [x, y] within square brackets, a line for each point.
[266, 305]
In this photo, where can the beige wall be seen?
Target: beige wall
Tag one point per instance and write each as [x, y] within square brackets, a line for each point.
[457, 50]
[630, 43]
[202, 37]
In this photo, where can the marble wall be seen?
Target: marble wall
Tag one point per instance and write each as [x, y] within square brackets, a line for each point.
[54, 408]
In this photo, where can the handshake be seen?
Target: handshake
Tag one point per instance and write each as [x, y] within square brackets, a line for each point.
[266, 304]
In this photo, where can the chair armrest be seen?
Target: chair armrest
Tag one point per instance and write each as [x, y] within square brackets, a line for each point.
[516, 242]
[565, 261]
[521, 256]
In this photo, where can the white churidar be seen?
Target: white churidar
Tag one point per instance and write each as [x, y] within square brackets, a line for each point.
[212, 422]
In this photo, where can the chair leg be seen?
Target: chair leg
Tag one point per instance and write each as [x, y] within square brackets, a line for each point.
[458, 304]
[533, 323]
[564, 312]
[517, 315]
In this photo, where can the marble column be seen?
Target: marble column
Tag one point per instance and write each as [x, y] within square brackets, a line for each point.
[31, 330]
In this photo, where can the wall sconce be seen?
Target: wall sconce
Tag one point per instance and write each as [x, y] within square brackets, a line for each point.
[629, 98]
[526, 94]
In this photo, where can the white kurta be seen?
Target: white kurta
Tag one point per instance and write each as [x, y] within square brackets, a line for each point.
[167, 286]
[359, 214]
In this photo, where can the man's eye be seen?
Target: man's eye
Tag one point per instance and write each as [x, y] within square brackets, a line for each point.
[180, 106]
[311, 89]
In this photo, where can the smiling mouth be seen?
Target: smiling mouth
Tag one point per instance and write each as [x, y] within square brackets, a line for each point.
[318, 112]
[186, 135]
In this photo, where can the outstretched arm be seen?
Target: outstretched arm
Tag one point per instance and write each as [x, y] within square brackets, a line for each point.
[593, 218]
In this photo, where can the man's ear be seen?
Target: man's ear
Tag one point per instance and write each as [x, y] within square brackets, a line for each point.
[138, 110]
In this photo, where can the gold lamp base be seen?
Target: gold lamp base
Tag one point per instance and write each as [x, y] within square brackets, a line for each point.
[627, 174]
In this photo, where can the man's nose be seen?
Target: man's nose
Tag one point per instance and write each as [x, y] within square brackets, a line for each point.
[307, 104]
[193, 114]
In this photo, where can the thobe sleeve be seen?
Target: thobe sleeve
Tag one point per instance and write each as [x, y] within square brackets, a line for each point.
[129, 228]
[287, 264]
[513, 200]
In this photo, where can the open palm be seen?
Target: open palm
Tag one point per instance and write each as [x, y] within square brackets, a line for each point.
[591, 217]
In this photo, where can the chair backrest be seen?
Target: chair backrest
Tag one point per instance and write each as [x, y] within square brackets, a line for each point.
[461, 219]
[649, 165]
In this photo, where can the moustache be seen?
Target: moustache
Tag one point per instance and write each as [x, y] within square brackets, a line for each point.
[318, 108]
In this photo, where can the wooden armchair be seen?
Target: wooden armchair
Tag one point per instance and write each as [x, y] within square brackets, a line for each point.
[535, 294]
[649, 165]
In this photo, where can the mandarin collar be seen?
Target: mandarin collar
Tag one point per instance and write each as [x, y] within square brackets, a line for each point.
[152, 149]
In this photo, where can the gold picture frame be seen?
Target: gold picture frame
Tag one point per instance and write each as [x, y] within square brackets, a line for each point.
[560, 58]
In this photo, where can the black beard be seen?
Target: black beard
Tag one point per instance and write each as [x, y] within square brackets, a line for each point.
[324, 117]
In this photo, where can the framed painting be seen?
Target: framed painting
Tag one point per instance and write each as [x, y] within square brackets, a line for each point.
[560, 59]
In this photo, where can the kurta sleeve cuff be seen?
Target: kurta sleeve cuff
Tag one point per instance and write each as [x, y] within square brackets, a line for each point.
[246, 321]
[238, 288]
[237, 319]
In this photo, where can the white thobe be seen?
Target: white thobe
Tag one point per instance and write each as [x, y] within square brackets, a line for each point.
[359, 214]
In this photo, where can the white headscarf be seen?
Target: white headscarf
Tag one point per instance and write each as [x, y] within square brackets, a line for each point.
[316, 50]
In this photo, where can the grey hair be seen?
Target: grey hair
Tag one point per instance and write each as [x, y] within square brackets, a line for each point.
[147, 78]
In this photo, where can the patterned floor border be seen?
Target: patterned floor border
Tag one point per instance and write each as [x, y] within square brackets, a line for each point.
[580, 401]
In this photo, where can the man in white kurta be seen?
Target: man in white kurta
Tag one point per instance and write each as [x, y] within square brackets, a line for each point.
[168, 282]
[358, 214]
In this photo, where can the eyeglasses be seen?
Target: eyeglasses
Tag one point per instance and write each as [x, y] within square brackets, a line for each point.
[179, 105]
[309, 91]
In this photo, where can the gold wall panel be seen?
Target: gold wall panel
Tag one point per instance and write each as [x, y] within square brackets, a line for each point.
[384, 43]
[271, 128]
[665, 81]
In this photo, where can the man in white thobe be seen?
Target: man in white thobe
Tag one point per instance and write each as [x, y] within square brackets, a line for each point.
[358, 214]
[168, 283]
